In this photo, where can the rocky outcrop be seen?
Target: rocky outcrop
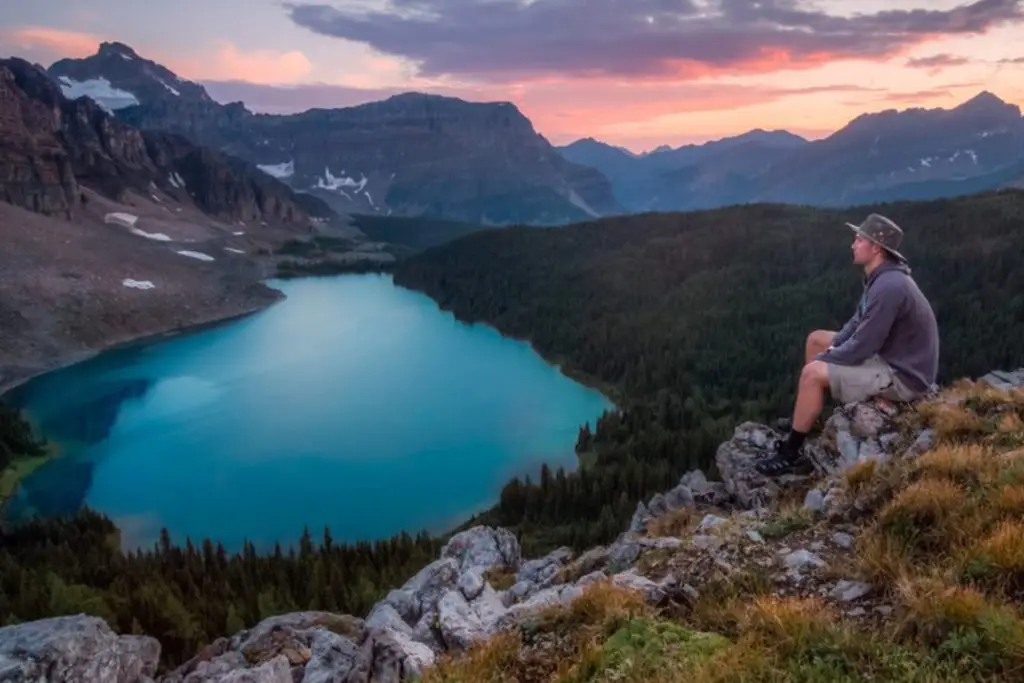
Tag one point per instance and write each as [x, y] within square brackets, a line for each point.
[75, 649]
[412, 154]
[481, 585]
[35, 169]
[50, 145]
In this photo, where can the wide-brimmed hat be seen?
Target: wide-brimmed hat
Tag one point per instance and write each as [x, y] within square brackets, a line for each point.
[882, 232]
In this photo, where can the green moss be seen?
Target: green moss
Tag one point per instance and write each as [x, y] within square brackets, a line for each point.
[645, 649]
[785, 524]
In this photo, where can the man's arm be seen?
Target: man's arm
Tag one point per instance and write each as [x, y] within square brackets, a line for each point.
[844, 333]
[871, 329]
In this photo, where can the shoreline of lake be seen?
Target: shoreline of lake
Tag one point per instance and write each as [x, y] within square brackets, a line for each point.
[62, 362]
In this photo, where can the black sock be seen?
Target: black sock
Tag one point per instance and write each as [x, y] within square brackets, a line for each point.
[795, 441]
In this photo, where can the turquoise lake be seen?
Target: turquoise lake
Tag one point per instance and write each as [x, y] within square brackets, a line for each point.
[353, 404]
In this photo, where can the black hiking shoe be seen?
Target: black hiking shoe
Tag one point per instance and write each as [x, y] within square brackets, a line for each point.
[784, 461]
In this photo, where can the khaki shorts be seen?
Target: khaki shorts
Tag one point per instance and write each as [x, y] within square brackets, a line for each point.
[873, 377]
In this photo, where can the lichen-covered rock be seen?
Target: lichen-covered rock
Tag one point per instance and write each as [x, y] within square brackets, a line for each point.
[652, 592]
[1004, 379]
[736, 459]
[483, 547]
[385, 617]
[405, 603]
[848, 591]
[432, 582]
[459, 624]
[276, 670]
[75, 649]
[543, 569]
[623, 553]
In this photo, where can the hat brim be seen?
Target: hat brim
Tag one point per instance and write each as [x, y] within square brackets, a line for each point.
[856, 228]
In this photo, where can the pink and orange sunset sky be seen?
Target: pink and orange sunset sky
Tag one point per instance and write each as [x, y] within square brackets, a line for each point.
[637, 73]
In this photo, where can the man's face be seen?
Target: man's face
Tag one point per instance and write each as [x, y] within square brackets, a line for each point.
[863, 250]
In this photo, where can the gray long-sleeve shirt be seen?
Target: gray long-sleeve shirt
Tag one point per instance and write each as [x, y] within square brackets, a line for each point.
[894, 320]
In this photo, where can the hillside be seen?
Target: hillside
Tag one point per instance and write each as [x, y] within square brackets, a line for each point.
[695, 321]
[415, 233]
[412, 154]
[888, 155]
[897, 559]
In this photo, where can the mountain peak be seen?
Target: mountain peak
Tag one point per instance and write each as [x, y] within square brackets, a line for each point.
[117, 77]
[983, 101]
[116, 49]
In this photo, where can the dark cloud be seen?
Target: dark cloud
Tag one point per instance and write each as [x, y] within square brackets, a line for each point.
[1015, 60]
[517, 39]
[937, 61]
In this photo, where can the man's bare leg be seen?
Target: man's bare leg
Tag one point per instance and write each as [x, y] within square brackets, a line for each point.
[810, 400]
[810, 395]
[817, 341]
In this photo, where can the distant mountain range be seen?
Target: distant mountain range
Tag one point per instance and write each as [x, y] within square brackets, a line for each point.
[912, 154]
[412, 154]
[420, 155]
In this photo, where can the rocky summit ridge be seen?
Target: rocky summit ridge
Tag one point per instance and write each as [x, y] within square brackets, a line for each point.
[803, 559]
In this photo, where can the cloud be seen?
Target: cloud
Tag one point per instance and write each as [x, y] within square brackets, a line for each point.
[258, 66]
[221, 62]
[1013, 60]
[42, 44]
[914, 97]
[936, 62]
[670, 39]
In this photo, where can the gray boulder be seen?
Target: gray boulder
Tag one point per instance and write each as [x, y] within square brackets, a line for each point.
[1004, 379]
[483, 547]
[736, 459]
[75, 649]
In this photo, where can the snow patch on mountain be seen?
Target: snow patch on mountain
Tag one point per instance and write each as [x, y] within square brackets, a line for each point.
[126, 219]
[279, 171]
[579, 202]
[156, 236]
[169, 88]
[100, 91]
[331, 182]
[197, 255]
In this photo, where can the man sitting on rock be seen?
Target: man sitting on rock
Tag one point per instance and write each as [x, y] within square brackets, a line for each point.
[888, 350]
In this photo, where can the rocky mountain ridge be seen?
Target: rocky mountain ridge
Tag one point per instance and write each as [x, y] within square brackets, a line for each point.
[915, 153]
[411, 154]
[53, 144]
[679, 548]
